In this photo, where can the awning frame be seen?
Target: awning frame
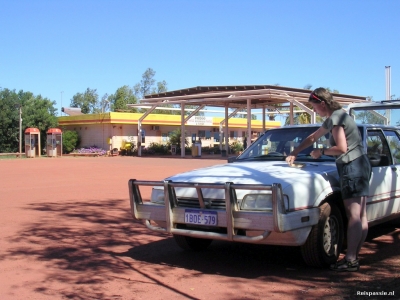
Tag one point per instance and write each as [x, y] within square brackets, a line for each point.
[236, 97]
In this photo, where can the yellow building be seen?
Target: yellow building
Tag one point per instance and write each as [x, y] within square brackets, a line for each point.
[113, 129]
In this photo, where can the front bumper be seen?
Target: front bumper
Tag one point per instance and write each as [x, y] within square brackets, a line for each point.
[292, 227]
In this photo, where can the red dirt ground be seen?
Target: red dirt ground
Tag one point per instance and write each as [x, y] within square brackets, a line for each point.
[67, 233]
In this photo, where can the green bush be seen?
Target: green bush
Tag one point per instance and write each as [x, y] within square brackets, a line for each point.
[158, 148]
[71, 141]
[236, 147]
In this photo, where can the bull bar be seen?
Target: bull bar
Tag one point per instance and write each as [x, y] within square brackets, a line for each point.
[277, 220]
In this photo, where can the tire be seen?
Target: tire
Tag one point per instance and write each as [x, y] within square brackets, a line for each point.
[191, 243]
[325, 241]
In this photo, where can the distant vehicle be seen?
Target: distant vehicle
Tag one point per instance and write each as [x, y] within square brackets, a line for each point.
[258, 198]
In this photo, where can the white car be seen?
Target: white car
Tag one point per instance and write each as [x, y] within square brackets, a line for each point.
[258, 198]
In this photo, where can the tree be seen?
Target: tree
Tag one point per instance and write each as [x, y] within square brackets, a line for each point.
[87, 102]
[103, 105]
[302, 118]
[40, 113]
[367, 117]
[332, 91]
[37, 112]
[148, 86]
[161, 87]
[9, 121]
[123, 96]
[278, 106]
[175, 138]
[70, 141]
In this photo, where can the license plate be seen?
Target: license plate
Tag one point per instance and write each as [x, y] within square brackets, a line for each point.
[201, 217]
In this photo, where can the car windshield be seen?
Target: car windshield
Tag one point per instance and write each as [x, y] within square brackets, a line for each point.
[276, 144]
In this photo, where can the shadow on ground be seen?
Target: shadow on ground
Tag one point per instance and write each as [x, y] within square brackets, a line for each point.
[87, 244]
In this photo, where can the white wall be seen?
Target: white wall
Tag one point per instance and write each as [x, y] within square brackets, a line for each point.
[98, 134]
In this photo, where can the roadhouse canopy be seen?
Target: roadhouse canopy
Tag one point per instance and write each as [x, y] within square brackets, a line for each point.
[239, 97]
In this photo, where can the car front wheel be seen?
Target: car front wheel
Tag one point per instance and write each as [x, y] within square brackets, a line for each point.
[325, 240]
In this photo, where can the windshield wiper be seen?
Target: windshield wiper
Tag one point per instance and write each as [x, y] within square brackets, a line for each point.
[303, 155]
[307, 157]
[272, 154]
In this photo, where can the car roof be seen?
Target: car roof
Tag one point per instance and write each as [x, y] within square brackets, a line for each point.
[319, 125]
[384, 104]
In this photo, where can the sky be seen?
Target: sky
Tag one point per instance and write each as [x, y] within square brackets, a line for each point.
[57, 48]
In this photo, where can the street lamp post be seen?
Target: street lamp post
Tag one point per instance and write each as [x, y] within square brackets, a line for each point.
[20, 129]
[388, 81]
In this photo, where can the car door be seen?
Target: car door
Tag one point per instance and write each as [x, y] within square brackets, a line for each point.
[393, 139]
[384, 184]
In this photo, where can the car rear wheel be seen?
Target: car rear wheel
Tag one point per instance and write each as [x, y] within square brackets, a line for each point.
[325, 240]
[191, 243]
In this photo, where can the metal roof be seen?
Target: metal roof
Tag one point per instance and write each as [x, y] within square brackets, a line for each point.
[237, 96]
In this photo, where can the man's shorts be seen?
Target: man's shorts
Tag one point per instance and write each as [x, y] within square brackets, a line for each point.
[354, 177]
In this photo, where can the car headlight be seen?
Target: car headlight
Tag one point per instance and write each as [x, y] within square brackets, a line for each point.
[256, 202]
[157, 196]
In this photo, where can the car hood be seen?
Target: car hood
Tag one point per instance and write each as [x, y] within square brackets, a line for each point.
[305, 186]
[257, 172]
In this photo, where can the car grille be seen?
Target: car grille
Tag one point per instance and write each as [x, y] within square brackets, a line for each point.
[194, 203]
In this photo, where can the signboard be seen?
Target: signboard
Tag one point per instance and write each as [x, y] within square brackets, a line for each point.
[200, 121]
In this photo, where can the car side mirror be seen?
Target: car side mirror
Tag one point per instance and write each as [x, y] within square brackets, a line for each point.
[232, 159]
[378, 160]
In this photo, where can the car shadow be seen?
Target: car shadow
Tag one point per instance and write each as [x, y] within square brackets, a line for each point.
[91, 242]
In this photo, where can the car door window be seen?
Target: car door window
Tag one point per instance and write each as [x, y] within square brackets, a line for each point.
[378, 148]
[394, 145]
